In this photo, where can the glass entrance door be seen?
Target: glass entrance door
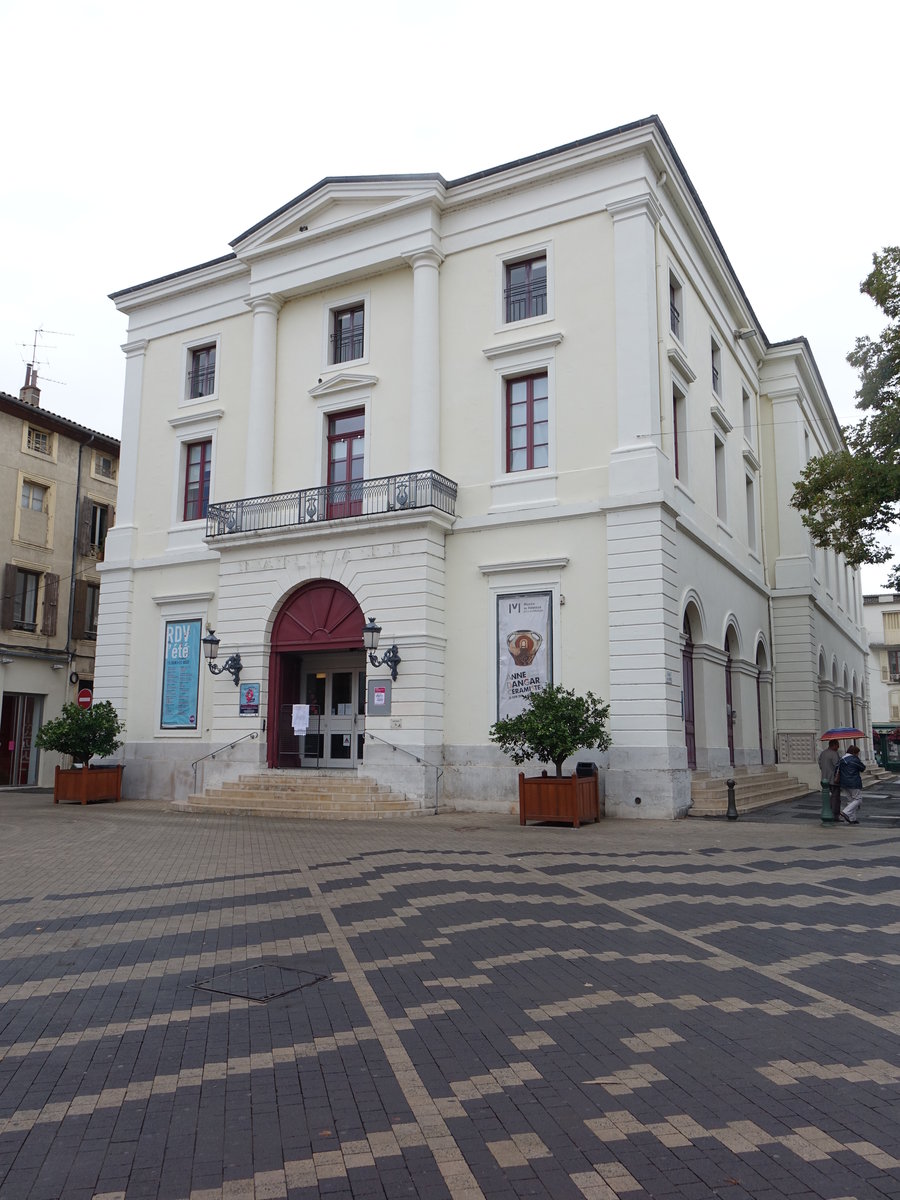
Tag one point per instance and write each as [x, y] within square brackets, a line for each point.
[335, 691]
[20, 717]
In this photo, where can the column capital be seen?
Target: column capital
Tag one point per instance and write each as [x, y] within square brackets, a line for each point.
[136, 349]
[270, 302]
[425, 256]
[644, 204]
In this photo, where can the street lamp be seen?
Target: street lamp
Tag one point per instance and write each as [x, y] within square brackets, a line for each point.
[390, 658]
[232, 665]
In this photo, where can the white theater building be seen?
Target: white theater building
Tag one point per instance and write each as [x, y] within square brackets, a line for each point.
[528, 421]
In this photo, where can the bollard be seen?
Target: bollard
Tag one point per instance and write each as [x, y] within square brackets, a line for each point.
[827, 815]
[732, 813]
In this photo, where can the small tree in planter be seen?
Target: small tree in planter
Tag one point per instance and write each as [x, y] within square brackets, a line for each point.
[83, 734]
[553, 727]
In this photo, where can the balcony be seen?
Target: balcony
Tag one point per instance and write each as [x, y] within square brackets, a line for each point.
[333, 502]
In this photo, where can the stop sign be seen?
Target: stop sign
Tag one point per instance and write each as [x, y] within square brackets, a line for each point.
[85, 698]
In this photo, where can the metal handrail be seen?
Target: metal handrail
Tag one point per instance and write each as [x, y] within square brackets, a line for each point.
[332, 502]
[213, 753]
[439, 771]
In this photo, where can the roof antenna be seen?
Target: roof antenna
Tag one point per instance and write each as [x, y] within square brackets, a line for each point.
[31, 393]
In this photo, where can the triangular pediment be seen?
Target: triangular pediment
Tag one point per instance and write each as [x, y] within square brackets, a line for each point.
[343, 381]
[331, 205]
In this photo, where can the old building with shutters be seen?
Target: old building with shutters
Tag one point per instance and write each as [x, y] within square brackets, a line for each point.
[529, 422]
[58, 494]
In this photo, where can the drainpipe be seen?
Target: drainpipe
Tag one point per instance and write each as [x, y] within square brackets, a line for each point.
[71, 619]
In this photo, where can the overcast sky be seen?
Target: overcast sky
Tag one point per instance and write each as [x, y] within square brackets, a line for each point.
[141, 138]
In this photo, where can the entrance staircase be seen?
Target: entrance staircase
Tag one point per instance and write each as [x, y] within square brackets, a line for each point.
[757, 787]
[753, 788]
[310, 795]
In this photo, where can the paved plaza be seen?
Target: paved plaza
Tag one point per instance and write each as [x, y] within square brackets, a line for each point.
[194, 1007]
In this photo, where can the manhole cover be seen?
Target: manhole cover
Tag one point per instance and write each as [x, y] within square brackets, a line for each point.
[261, 982]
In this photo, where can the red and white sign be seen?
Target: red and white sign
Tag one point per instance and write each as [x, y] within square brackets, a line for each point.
[85, 698]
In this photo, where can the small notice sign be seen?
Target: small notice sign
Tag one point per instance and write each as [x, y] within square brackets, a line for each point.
[249, 700]
[378, 696]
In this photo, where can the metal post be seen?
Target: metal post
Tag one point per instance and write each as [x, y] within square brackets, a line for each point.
[732, 813]
[827, 815]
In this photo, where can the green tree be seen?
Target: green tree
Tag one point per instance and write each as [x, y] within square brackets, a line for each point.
[82, 733]
[850, 496]
[555, 724]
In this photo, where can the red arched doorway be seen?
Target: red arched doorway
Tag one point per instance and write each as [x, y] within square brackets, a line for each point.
[317, 658]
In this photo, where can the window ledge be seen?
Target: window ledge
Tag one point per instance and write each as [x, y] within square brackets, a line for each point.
[678, 359]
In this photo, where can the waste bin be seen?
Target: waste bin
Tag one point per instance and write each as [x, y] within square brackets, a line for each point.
[584, 769]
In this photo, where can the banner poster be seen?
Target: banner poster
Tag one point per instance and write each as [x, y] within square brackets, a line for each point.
[524, 649]
[249, 701]
[181, 675]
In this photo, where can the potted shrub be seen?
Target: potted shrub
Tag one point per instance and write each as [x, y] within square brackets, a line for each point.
[553, 727]
[83, 734]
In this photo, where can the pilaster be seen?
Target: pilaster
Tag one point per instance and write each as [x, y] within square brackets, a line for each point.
[261, 417]
[120, 539]
[424, 422]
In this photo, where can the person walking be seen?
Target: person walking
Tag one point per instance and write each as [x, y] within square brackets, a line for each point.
[851, 770]
[829, 761]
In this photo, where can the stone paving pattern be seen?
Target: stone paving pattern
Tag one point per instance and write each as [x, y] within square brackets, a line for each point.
[194, 1007]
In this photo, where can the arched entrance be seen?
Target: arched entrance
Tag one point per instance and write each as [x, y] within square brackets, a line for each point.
[317, 658]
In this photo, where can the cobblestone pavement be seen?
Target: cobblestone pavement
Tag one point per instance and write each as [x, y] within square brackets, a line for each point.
[211, 1006]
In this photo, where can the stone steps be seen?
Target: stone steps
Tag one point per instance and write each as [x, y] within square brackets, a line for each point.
[325, 796]
[752, 790]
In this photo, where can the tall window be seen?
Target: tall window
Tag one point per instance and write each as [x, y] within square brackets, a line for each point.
[196, 479]
[346, 463]
[91, 609]
[526, 288]
[676, 306]
[716, 366]
[25, 602]
[347, 333]
[679, 427]
[750, 490]
[721, 511]
[894, 665]
[34, 496]
[99, 525]
[202, 377]
[527, 426]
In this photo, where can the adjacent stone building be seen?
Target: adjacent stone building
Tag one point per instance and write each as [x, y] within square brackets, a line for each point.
[58, 491]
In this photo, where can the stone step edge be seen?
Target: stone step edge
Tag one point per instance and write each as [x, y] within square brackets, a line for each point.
[295, 814]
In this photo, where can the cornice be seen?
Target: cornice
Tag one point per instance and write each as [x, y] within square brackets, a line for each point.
[544, 341]
[529, 564]
[678, 360]
[344, 381]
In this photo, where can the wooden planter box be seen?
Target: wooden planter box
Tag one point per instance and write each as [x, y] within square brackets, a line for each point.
[82, 784]
[569, 798]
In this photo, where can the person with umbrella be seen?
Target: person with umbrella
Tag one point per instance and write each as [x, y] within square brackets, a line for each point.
[851, 770]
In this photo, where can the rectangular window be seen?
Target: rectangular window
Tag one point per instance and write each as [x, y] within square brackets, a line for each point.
[526, 288]
[196, 479]
[721, 512]
[751, 512]
[716, 366]
[202, 374]
[99, 526]
[39, 441]
[34, 496]
[894, 665]
[25, 602]
[348, 328]
[747, 415]
[527, 425]
[346, 463]
[91, 609]
[676, 309]
[679, 426]
[104, 466]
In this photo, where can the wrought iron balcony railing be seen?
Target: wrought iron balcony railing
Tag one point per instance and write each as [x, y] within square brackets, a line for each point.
[333, 501]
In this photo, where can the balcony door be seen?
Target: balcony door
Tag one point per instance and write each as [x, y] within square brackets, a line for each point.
[346, 461]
